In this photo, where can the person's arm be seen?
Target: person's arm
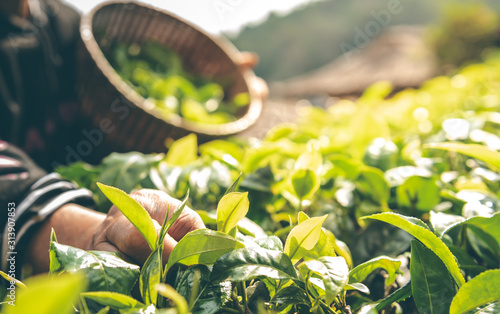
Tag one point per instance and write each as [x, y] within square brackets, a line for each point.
[28, 196]
[73, 224]
[42, 202]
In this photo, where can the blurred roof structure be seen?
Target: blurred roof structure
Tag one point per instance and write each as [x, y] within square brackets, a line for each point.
[399, 55]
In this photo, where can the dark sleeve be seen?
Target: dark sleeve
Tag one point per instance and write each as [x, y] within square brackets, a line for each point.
[28, 195]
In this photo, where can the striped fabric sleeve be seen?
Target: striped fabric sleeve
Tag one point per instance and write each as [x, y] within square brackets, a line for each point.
[28, 196]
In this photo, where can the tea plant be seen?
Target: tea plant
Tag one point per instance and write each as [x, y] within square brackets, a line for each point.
[304, 273]
[407, 184]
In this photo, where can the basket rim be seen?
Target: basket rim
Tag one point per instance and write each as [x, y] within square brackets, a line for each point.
[249, 118]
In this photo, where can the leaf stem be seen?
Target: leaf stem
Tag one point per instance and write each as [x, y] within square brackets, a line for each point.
[234, 297]
[243, 293]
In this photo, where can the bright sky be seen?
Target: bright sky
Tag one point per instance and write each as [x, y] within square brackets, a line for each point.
[214, 15]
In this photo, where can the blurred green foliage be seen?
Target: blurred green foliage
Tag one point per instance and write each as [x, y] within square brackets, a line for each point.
[466, 30]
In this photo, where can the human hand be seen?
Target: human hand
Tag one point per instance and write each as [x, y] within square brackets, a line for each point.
[117, 234]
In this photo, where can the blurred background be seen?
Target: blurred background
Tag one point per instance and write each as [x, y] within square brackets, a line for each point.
[318, 50]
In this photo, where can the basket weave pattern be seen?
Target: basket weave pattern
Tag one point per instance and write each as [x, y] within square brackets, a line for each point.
[136, 124]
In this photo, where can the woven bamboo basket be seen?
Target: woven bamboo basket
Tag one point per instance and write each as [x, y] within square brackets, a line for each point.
[126, 118]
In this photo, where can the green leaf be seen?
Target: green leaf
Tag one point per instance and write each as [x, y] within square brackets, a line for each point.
[104, 310]
[401, 294]
[203, 295]
[183, 151]
[114, 300]
[309, 160]
[421, 193]
[303, 237]
[258, 158]
[105, 271]
[170, 293]
[151, 276]
[53, 237]
[477, 151]
[431, 284]
[487, 224]
[428, 238]
[202, 246]
[357, 286]
[339, 247]
[333, 271]
[382, 154]
[480, 290]
[372, 182]
[12, 280]
[304, 183]
[440, 222]
[492, 308]
[231, 209]
[234, 186]
[326, 242]
[483, 235]
[168, 223]
[252, 262]
[225, 151]
[291, 295]
[46, 295]
[270, 243]
[123, 171]
[390, 265]
[134, 212]
[368, 309]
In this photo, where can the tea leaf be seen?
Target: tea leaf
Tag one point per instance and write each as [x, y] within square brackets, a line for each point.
[303, 237]
[431, 284]
[202, 246]
[487, 224]
[270, 243]
[150, 277]
[17, 282]
[371, 181]
[425, 236]
[46, 295]
[252, 262]
[125, 171]
[170, 293]
[291, 295]
[304, 182]
[480, 290]
[390, 265]
[104, 310]
[105, 271]
[326, 241]
[233, 186]
[114, 300]
[309, 160]
[168, 223]
[441, 222]
[402, 293]
[203, 295]
[333, 271]
[134, 212]
[183, 151]
[477, 151]
[420, 192]
[339, 247]
[357, 286]
[231, 209]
